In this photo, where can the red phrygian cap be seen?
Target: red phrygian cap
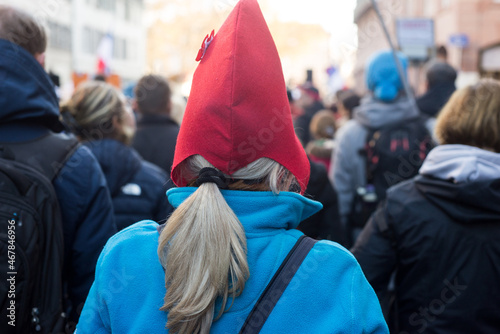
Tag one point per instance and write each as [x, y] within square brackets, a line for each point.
[238, 109]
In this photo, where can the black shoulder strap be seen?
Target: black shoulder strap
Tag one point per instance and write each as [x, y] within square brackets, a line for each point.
[384, 228]
[47, 155]
[265, 305]
[372, 137]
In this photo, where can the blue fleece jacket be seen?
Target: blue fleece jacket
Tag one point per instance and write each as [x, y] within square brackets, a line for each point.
[328, 294]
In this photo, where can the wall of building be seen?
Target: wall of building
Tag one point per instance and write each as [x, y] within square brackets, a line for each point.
[177, 29]
[75, 29]
[478, 19]
[371, 37]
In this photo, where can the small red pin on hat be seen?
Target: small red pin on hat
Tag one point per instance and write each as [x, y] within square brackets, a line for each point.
[204, 46]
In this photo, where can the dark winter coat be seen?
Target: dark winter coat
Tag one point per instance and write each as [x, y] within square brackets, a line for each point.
[324, 224]
[435, 98]
[302, 123]
[441, 233]
[138, 188]
[155, 140]
[29, 110]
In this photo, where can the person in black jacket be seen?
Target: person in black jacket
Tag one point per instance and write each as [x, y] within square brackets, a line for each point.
[156, 134]
[29, 111]
[441, 79]
[440, 231]
[98, 115]
[311, 103]
[324, 224]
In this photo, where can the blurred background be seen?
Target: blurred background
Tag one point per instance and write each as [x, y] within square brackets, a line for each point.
[331, 40]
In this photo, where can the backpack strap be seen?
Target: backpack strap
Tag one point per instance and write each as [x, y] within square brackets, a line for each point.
[265, 305]
[47, 155]
[369, 153]
[384, 228]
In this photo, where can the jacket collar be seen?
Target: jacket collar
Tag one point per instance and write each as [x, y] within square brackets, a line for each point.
[155, 119]
[16, 132]
[260, 212]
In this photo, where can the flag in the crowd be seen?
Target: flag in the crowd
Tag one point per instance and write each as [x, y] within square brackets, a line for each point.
[335, 81]
[105, 55]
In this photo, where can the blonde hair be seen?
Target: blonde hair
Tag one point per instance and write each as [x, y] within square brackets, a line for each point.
[203, 246]
[472, 117]
[90, 112]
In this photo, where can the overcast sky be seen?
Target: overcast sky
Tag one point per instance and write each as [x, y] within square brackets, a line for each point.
[336, 16]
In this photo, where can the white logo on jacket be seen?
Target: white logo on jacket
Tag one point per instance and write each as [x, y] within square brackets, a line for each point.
[132, 189]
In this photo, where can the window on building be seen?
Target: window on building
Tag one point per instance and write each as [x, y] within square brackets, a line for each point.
[445, 3]
[428, 8]
[120, 48]
[91, 40]
[60, 36]
[132, 51]
[127, 10]
[109, 5]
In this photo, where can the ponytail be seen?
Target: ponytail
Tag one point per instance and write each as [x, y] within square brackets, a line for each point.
[204, 243]
[203, 248]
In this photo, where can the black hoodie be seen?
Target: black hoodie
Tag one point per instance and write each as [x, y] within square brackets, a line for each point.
[435, 98]
[29, 109]
[442, 236]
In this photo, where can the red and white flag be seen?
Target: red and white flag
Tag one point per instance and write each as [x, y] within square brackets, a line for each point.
[105, 55]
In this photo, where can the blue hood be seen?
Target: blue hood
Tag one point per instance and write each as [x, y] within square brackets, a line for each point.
[27, 94]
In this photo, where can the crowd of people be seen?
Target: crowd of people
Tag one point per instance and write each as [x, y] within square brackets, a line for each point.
[118, 219]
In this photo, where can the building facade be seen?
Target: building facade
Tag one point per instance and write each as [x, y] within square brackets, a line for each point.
[76, 27]
[477, 20]
[177, 29]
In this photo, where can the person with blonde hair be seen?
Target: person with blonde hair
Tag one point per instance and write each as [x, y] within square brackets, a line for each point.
[441, 230]
[98, 115]
[240, 170]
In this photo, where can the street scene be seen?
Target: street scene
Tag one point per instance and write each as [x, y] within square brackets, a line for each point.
[249, 166]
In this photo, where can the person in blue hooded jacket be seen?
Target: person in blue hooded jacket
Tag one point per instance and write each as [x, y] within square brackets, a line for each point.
[98, 114]
[29, 111]
[235, 215]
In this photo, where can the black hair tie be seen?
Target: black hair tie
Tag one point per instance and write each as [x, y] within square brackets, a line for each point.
[212, 175]
[69, 122]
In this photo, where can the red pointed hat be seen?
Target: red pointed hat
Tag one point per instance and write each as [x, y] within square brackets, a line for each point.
[238, 109]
